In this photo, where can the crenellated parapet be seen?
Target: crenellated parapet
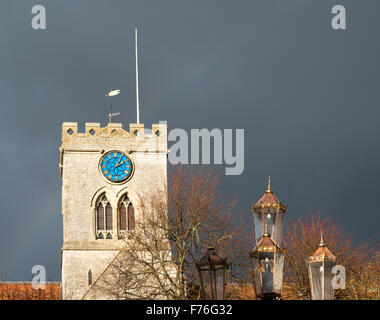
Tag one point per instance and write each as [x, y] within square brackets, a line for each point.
[114, 134]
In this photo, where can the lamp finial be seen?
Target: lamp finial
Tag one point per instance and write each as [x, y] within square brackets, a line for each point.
[269, 188]
[322, 244]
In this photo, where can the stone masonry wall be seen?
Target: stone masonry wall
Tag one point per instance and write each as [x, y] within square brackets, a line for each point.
[82, 184]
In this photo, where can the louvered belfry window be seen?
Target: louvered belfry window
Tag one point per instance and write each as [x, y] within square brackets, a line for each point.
[104, 219]
[126, 216]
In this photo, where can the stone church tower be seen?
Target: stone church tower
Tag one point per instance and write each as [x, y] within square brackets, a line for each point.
[106, 175]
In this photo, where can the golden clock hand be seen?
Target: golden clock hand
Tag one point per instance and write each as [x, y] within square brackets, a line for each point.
[120, 163]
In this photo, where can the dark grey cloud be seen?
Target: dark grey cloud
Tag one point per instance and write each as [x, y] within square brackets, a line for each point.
[307, 97]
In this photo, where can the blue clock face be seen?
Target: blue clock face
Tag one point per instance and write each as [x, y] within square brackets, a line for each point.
[116, 166]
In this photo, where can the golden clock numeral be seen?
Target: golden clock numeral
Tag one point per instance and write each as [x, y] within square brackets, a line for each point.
[115, 154]
[110, 176]
[125, 171]
[106, 172]
[117, 178]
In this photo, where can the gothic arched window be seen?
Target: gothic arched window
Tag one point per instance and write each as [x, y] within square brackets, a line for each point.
[126, 216]
[103, 219]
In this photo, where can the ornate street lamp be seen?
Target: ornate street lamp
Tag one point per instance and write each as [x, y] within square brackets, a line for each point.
[270, 212]
[320, 266]
[212, 273]
[268, 264]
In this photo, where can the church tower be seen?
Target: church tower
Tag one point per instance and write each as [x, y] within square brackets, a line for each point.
[107, 173]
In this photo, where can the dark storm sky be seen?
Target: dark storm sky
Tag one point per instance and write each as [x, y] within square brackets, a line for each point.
[306, 95]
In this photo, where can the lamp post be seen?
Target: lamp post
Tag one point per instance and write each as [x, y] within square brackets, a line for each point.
[212, 271]
[268, 264]
[270, 212]
[320, 266]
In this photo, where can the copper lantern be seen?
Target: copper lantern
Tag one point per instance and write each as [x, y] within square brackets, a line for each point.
[321, 265]
[268, 264]
[212, 271]
[268, 212]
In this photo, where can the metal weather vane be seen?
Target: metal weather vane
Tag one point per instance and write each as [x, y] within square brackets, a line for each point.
[110, 95]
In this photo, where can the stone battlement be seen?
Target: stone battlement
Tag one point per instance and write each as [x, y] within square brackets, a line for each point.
[93, 129]
[114, 134]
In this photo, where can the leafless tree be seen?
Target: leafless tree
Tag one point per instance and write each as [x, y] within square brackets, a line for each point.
[158, 260]
[360, 261]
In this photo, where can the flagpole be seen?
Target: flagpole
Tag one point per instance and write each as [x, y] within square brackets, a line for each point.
[137, 80]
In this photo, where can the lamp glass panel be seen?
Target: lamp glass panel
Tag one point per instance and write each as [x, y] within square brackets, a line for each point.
[270, 221]
[267, 269]
[207, 283]
[329, 290]
[219, 281]
[257, 275]
[316, 269]
[280, 226]
[258, 220]
[278, 272]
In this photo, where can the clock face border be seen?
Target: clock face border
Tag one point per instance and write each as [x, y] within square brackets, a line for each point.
[120, 181]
